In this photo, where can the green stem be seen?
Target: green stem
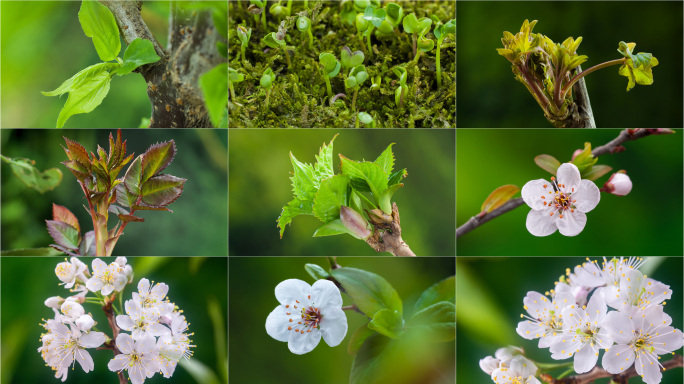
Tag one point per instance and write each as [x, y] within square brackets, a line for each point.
[549, 366]
[566, 373]
[289, 7]
[357, 121]
[415, 59]
[263, 18]
[356, 91]
[242, 51]
[287, 56]
[439, 69]
[232, 91]
[268, 93]
[370, 51]
[327, 85]
[588, 71]
[415, 48]
[310, 38]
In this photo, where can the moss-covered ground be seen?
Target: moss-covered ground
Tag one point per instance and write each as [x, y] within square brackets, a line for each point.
[298, 98]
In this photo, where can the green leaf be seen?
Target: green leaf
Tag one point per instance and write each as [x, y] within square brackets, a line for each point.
[156, 159]
[48, 251]
[215, 91]
[585, 160]
[395, 13]
[385, 201]
[303, 180]
[596, 172]
[86, 97]
[272, 41]
[60, 213]
[637, 68]
[351, 60]
[330, 64]
[139, 52]
[335, 227]
[548, 163]
[132, 179]
[267, 78]
[294, 208]
[375, 16]
[81, 77]
[316, 271]
[358, 337]
[24, 170]
[323, 168]
[425, 45]
[386, 159]
[368, 359]
[368, 172]
[64, 234]
[369, 292]
[161, 190]
[500, 196]
[396, 177]
[331, 195]
[387, 322]
[416, 26]
[444, 290]
[437, 323]
[99, 24]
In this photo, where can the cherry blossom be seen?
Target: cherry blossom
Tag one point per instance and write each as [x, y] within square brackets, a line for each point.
[70, 272]
[560, 204]
[521, 371]
[544, 321]
[63, 346]
[106, 278]
[138, 358]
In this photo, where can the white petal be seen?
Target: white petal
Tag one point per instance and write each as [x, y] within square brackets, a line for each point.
[290, 290]
[668, 340]
[324, 294]
[569, 175]
[533, 191]
[136, 374]
[300, 344]
[333, 326]
[278, 321]
[530, 330]
[144, 286]
[120, 282]
[618, 358]
[92, 339]
[125, 322]
[146, 344]
[596, 308]
[118, 363]
[99, 266]
[94, 284]
[159, 291]
[588, 196]
[541, 223]
[85, 322]
[572, 223]
[619, 327]
[125, 343]
[84, 359]
[489, 364]
[647, 365]
[585, 358]
[548, 340]
[107, 289]
[151, 366]
[157, 329]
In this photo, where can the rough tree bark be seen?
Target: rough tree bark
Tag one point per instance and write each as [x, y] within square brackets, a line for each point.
[172, 82]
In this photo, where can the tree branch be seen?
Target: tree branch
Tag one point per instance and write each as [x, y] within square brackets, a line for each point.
[598, 373]
[386, 235]
[109, 311]
[613, 146]
[172, 82]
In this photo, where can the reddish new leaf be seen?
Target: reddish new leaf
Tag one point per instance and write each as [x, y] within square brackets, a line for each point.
[156, 158]
[60, 213]
[87, 247]
[129, 218]
[499, 197]
[63, 234]
[162, 190]
[81, 172]
[76, 152]
[132, 177]
[124, 197]
[150, 208]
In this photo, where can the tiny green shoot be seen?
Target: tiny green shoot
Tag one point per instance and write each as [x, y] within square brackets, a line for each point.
[440, 33]
[234, 77]
[244, 34]
[418, 28]
[267, 82]
[256, 8]
[400, 93]
[356, 77]
[366, 119]
[331, 67]
[273, 41]
[304, 25]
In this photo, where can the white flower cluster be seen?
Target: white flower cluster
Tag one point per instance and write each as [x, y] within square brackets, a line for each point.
[158, 338]
[636, 332]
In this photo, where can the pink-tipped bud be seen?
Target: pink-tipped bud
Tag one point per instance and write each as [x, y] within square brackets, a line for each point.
[355, 223]
[619, 184]
[577, 152]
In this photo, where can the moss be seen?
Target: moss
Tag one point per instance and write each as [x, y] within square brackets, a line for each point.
[299, 97]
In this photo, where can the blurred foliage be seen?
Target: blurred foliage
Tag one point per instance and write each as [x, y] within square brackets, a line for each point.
[648, 221]
[197, 225]
[43, 44]
[260, 186]
[252, 284]
[506, 281]
[196, 285]
[490, 96]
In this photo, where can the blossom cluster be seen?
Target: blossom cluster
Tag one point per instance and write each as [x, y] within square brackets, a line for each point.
[574, 320]
[158, 336]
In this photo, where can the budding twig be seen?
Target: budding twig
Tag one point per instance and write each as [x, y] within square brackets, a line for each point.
[613, 146]
[109, 311]
[598, 373]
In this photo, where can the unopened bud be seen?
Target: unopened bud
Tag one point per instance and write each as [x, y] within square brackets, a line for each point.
[54, 302]
[574, 154]
[619, 184]
[489, 364]
[354, 222]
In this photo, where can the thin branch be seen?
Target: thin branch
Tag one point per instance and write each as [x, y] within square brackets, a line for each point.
[109, 311]
[614, 146]
[387, 234]
[598, 373]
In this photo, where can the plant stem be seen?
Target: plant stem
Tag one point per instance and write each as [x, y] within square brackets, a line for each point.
[107, 308]
[356, 91]
[232, 90]
[370, 51]
[289, 7]
[310, 38]
[588, 71]
[415, 47]
[327, 85]
[268, 93]
[357, 125]
[263, 18]
[242, 51]
[287, 56]
[415, 59]
[439, 69]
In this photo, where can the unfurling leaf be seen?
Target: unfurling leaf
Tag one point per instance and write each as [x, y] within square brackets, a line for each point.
[548, 163]
[24, 170]
[638, 67]
[139, 52]
[500, 196]
[156, 159]
[60, 213]
[330, 196]
[86, 97]
[585, 159]
[99, 24]
[162, 190]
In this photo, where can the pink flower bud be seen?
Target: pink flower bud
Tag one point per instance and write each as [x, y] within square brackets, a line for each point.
[354, 222]
[574, 154]
[619, 184]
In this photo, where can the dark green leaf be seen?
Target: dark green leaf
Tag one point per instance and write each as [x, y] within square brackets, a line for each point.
[368, 358]
[444, 290]
[358, 337]
[162, 190]
[32, 252]
[436, 323]
[369, 292]
[24, 170]
[214, 88]
[396, 177]
[140, 52]
[98, 23]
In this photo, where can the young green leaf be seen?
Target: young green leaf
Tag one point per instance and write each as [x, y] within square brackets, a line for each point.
[397, 176]
[317, 272]
[162, 190]
[272, 41]
[99, 24]
[331, 195]
[132, 180]
[387, 322]
[370, 173]
[547, 163]
[330, 64]
[215, 92]
[375, 16]
[333, 228]
[395, 14]
[596, 172]
[303, 180]
[323, 168]
[139, 52]
[637, 68]
[386, 159]
[81, 77]
[437, 323]
[349, 59]
[156, 159]
[416, 26]
[24, 170]
[358, 337]
[294, 208]
[371, 293]
[85, 98]
[267, 78]
[444, 290]
[498, 197]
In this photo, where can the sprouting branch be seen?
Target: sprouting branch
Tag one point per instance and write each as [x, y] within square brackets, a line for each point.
[614, 146]
[597, 373]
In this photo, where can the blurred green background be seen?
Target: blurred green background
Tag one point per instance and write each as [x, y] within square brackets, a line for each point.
[648, 221]
[197, 285]
[43, 45]
[260, 186]
[197, 226]
[252, 284]
[490, 97]
[489, 302]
